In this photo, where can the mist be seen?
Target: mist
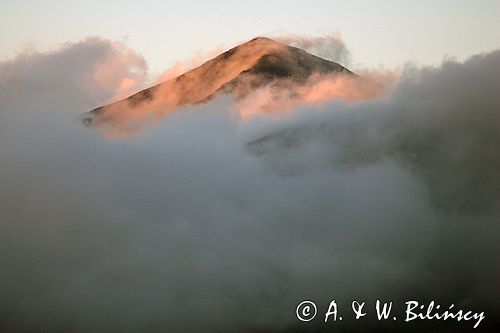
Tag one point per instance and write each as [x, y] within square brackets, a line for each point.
[329, 46]
[209, 222]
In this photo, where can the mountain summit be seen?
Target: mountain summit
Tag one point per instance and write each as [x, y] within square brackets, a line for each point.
[238, 71]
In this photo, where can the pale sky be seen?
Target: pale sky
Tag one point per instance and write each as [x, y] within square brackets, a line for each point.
[388, 33]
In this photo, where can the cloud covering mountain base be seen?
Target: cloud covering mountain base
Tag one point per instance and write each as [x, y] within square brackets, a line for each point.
[209, 223]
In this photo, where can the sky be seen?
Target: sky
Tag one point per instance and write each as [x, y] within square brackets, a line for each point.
[377, 33]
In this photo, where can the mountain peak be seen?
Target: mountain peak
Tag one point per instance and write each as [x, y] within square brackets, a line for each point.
[241, 69]
[262, 40]
[254, 49]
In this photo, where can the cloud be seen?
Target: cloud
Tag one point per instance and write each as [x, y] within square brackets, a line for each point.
[437, 121]
[208, 223]
[90, 71]
[122, 71]
[329, 46]
[283, 96]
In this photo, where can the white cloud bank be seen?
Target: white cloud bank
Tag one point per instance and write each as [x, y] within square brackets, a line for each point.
[209, 224]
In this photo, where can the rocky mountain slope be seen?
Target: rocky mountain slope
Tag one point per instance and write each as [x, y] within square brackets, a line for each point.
[238, 71]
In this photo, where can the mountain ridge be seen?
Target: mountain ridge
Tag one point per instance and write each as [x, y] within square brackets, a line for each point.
[237, 71]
